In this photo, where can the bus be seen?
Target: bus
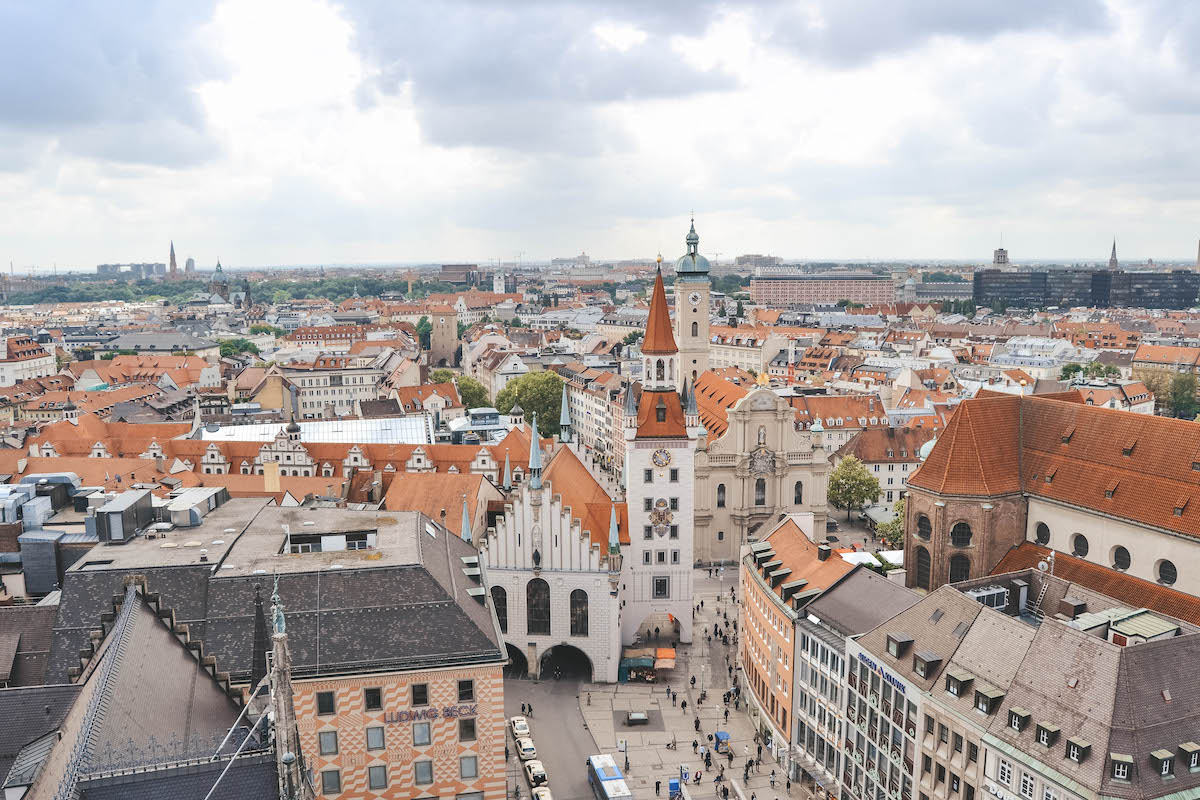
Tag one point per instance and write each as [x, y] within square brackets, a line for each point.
[606, 780]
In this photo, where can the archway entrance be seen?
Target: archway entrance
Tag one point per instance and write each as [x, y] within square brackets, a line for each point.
[565, 661]
[518, 665]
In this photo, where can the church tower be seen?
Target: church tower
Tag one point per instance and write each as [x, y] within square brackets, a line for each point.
[660, 447]
[692, 290]
[174, 268]
[443, 339]
[1112, 260]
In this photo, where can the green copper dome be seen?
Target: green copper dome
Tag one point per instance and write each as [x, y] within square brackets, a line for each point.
[691, 262]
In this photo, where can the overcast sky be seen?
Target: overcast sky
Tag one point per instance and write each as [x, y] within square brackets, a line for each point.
[308, 131]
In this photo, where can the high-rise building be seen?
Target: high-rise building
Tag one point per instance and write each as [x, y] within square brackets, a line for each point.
[189, 266]
[1000, 257]
[692, 289]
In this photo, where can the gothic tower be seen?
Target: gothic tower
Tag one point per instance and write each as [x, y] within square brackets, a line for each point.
[660, 447]
[174, 268]
[692, 290]
[1112, 260]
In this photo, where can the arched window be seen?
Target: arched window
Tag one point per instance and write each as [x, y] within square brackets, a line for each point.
[660, 370]
[924, 527]
[760, 492]
[720, 495]
[1167, 574]
[924, 567]
[579, 613]
[798, 494]
[695, 329]
[1079, 545]
[537, 607]
[960, 535]
[1121, 559]
[1042, 534]
[500, 603]
[960, 568]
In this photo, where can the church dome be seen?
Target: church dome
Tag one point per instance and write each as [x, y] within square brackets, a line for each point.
[293, 427]
[691, 262]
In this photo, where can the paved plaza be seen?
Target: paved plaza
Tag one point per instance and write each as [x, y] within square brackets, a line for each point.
[592, 721]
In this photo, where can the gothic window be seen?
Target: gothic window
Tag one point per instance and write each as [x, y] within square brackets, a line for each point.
[720, 495]
[924, 527]
[960, 568]
[960, 535]
[660, 370]
[500, 603]
[924, 566]
[537, 607]
[798, 499]
[579, 613]
[760, 492]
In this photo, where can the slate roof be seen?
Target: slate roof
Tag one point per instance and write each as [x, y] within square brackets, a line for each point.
[860, 601]
[403, 604]
[250, 777]
[28, 630]
[28, 714]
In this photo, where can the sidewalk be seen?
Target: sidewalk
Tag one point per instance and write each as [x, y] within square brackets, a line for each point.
[649, 757]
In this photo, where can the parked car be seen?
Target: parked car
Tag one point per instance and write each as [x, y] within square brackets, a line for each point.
[542, 793]
[520, 727]
[536, 773]
[525, 748]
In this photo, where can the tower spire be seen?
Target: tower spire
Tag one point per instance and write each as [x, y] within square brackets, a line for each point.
[564, 417]
[614, 532]
[465, 532]
[507, 473]
[535, 456]
[1112, 260]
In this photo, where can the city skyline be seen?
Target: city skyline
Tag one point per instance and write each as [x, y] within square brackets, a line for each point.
[310, 132]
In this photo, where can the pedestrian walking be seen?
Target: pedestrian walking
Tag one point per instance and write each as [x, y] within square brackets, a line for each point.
[657, 788]
[697, 725]
[674, 698]
[531, 709]
[693, 681]
[701, 604]
[522, 709]
[725, 793]
[758, 763]
[772, 779]
[683, 706]
[789, 786]
[730, 754]
[695, 745]
[656, 633]
[727, 715]
[760, 751]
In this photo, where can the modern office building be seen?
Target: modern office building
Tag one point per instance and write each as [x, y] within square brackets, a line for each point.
[1094, 288]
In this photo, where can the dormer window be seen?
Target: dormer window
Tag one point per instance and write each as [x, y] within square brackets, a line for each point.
[988, 700]
[1122, 766]
[1018, 718]
[897, 644]
[958, 682]
[1189, 753]
[1078, 749]
[1047, 734]
[1164, 762]
[660, 413]
[925, 663]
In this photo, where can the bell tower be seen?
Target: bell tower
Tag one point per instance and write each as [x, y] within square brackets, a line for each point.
[692, 291]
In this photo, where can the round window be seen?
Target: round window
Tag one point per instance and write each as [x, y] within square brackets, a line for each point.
[1167, 574]
[1043, 533]
[1121, 558]
[1079, 546]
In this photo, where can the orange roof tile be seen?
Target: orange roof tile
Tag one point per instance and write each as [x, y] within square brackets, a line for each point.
[660, 340]
[673, 425]
[799, 554]
[586, 498]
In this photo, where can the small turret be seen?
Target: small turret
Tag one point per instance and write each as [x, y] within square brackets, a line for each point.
[564, 417]
[507, 473]
[535, 456]
[517, 416]
[630, 407]
[465, 532]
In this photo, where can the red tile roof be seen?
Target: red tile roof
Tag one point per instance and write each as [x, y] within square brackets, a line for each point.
[1120, 586]
[660, 340]
[1131, 466]
[674, 424]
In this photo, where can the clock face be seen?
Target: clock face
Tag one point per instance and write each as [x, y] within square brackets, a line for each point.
[695, 298]
[661, 458]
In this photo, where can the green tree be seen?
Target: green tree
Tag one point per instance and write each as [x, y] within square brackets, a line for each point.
[442, 375]
[1069, 371]
[473, 393]
[280, 296]
[633, 336]
[891, 533]
[233, 347]
[1181, 397]
[537, 392]
[424, 328]
[462, 328]
[851, 486]
[721, 310]
[271, 329]
[740, 313]
[1098, 370]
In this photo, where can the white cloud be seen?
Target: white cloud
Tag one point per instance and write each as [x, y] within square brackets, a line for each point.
[302, 131]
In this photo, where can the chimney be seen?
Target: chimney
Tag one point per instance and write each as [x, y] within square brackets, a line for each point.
[823, 552]
[158, 463]
[204, 555]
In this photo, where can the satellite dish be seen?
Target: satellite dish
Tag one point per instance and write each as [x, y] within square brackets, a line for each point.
[1043, 566]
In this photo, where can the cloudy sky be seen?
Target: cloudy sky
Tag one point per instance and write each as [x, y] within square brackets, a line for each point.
[308, 131]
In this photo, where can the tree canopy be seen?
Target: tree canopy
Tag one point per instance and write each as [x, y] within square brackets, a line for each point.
[891, 533]
[851, 486]
[537, 392]
[473, 393]
[1181, 396]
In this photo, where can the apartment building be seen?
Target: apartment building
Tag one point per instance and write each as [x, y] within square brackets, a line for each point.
[821, 289]
[890, 455]
[25, 359]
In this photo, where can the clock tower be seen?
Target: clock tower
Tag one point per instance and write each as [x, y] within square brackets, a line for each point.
[692, 289]
[660, 449]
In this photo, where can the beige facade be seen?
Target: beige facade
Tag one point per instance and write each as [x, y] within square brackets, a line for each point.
[821, 289]
[759, 468]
